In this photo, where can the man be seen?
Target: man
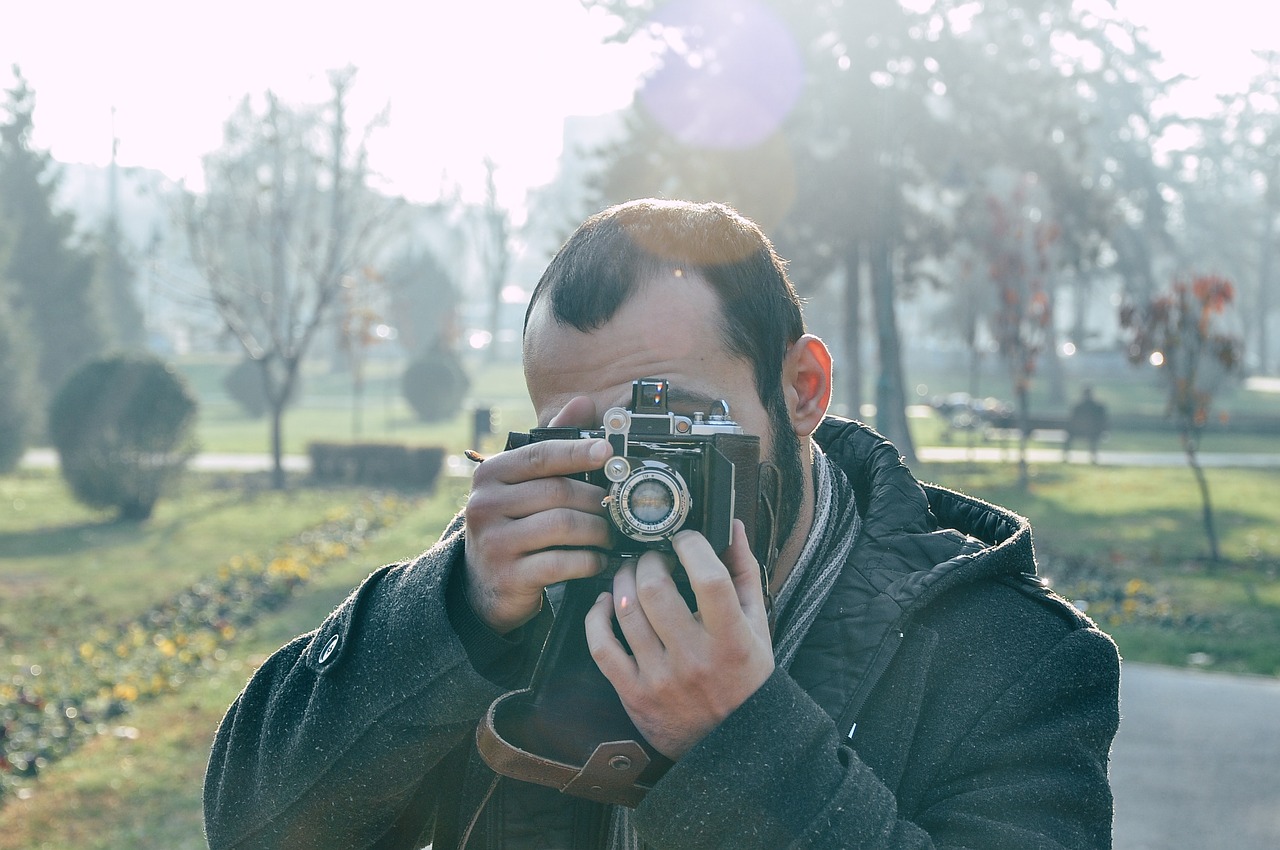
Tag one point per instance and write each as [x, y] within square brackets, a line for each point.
[1088, 420]
[921, 688]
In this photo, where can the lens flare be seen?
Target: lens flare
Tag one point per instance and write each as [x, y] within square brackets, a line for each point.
[728, 75]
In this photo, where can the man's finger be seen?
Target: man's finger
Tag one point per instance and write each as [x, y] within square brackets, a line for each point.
[745, 570]
[719, 587]
[633, 617]
[528, 498]
[606, 650]
[544, 459]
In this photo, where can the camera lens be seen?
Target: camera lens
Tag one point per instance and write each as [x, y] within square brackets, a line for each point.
[651, 504]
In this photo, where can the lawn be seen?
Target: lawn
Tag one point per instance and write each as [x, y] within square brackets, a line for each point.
[137, 784]
[1129, 546]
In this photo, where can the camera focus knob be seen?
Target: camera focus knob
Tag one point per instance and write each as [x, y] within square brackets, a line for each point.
[617, 468]
[617, 420]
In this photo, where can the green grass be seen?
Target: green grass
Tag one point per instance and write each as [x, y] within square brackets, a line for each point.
[1151, 514]
[62, 565]
[139, 784]
[1130, 545]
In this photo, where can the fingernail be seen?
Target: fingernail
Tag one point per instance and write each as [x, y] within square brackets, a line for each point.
[601, 450]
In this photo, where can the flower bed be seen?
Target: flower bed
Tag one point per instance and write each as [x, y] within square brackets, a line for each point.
[49, 708]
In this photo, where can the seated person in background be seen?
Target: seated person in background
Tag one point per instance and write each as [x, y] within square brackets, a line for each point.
[913, 685]
[1088, 420]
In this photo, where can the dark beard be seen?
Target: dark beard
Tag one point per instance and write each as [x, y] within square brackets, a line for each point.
[786, 457]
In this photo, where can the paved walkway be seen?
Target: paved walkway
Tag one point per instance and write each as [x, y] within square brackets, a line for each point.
[1196, 765]
[205, 462]
[994, 454]
[48, 459]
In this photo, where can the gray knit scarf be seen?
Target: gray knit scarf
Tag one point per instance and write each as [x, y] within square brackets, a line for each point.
[835, 527]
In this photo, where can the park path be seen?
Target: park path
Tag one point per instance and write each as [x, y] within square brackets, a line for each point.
[995, 454]
[1196, 764]
[228, 462]
[204, 462]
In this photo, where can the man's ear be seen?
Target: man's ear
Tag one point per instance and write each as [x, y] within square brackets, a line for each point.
[806, 376]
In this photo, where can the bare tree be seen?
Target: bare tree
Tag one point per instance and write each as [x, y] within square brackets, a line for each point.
[285, 218]
[494, 241]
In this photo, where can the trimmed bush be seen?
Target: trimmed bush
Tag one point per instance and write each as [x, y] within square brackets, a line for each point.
[243, 385]
[435, 385]
[376, 464]
[123, 427]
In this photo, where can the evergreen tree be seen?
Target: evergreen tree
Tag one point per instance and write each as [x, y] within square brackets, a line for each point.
[52, 274]
[18, 405]
[114, 278]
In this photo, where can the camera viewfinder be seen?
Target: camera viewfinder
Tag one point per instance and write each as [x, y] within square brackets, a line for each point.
[649, 397]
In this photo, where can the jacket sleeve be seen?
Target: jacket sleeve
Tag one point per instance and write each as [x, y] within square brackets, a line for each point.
[1029, 770]
[341, 739]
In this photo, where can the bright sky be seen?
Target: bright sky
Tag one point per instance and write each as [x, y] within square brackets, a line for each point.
[1212, 42]
[464, 79]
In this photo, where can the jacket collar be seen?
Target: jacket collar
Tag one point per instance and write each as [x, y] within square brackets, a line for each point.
[916, 542]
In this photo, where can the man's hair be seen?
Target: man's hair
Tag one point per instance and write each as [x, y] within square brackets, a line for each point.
[601, 265]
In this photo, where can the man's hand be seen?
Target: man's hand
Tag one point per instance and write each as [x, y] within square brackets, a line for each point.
[520, 508]
[686, 672]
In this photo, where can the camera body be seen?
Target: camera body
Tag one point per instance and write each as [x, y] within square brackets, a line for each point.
[568, 729]
[670, 472]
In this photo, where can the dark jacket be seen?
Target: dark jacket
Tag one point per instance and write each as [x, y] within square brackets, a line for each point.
[943, 698]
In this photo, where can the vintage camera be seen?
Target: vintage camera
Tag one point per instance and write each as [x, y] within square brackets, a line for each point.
[568, 729]
[670, 472]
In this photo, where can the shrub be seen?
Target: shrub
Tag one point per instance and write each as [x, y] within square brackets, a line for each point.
[243, 385]
[376, 464]
[435, 385]
[122, 426]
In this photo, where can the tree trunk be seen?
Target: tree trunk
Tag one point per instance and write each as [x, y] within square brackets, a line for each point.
[1206, 506]
[357, 397]
[278, 397]
[277, 453]
[891, 398]
[1261, 315]
[1054, 373]
[1053, 366]
[1081, 298]
[1024, 432]
[852, 329]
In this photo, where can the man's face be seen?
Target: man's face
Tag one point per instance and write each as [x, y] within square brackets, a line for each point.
[669, 329]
